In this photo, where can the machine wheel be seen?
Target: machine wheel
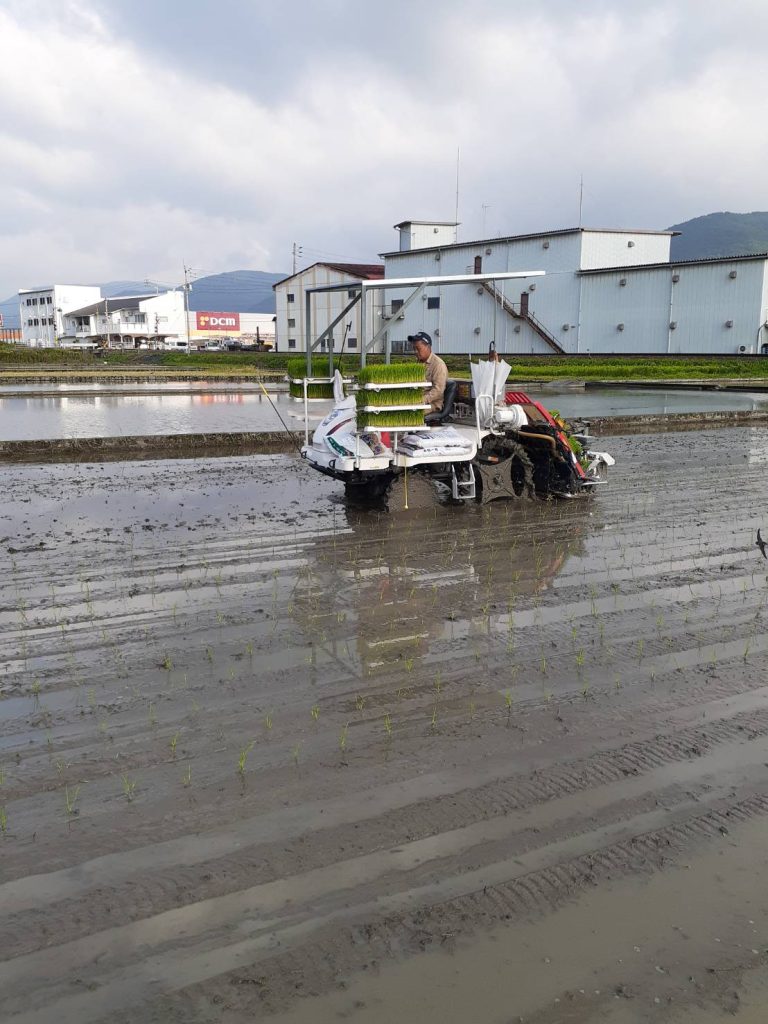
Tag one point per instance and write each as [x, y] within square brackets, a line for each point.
[371, 489]
[511, 476]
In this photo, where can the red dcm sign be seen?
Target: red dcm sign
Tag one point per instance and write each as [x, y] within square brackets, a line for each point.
[217, 322]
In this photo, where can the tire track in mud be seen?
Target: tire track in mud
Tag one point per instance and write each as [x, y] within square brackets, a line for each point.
[144, 896]
[340, 948]
[653, 549]
[737, 679]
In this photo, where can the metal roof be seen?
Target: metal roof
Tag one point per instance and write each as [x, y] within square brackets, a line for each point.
[429, 223]
[520, 238]
[112, 305]
[357, 270]
[677, 263]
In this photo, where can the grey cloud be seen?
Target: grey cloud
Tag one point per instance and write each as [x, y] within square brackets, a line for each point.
[221, 131]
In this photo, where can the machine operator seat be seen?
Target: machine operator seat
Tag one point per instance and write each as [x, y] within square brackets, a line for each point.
[436, 419]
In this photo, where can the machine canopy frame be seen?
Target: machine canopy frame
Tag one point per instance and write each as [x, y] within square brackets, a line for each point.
[363, 287]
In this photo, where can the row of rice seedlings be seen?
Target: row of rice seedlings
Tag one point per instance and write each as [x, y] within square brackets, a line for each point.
[313, 390]
[390, 419]
[390, 396]
[321, 367]
[390, 373]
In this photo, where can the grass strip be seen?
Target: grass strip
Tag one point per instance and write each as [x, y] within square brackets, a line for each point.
[579, 367]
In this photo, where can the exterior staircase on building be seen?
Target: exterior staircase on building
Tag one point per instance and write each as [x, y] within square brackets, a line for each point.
[524, 315]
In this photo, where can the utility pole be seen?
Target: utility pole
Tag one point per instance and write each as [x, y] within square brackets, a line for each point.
[187, 286]
[298, 251]
[456, 211]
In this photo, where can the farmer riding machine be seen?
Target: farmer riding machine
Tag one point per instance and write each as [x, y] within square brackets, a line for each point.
[486, 442]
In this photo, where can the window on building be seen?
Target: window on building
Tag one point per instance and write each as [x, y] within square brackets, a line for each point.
[397, 304]
[291, 321]
[351, 293]
[29, 322]
[433, 302]
[291, 343]
[49, 300]
[36, 322]
[352, 342]
[29, 302]
[34, 302]
[290, 297]
[50, 321]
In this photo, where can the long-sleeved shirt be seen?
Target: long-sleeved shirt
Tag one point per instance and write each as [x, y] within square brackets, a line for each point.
[436, 373]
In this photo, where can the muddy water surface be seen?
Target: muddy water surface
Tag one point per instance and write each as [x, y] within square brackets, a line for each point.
[265, 755]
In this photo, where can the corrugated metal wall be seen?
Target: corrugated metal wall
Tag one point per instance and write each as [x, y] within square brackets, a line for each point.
[622, 249]
[707, 297]
[640, 306]
[761, 340]
[700, 305]
[326, 306]
[583, 313]
[468, 318]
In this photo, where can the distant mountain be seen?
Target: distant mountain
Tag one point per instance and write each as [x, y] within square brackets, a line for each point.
[720, 234]
[112, 288]
[9, 310]
[237, 291]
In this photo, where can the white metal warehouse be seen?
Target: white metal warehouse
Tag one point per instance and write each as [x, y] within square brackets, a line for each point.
[605, 290]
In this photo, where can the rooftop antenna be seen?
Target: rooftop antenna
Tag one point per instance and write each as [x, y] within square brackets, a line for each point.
[485, 207]
[581, 197]
[456, 213]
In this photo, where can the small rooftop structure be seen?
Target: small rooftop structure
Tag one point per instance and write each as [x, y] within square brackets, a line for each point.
[424, 234]
[416, 227]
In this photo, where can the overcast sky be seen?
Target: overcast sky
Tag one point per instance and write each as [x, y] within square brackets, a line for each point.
[136, 135]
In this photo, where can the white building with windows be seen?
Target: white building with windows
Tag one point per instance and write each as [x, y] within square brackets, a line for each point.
[290, 293]
[80, 316]
[42, 311]
[128, 321]
[604, 291]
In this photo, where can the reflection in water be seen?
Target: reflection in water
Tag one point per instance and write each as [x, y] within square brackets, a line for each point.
[108, 415]
[184, 409]
[379, 600]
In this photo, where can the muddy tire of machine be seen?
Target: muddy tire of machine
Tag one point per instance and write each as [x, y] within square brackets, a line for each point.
[515, 467]
[413, 490]
[371, 489]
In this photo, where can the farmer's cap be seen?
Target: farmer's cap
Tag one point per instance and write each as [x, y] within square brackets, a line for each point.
[420, 336]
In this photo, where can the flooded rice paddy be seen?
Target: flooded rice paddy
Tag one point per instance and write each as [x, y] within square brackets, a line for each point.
[265, 756]
[104, 410]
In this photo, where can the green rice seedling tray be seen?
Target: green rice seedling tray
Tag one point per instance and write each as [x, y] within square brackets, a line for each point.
[397, 384]
[395, 408]
[392, 395]
[315, 390]
[390, 419]
[391, 373]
